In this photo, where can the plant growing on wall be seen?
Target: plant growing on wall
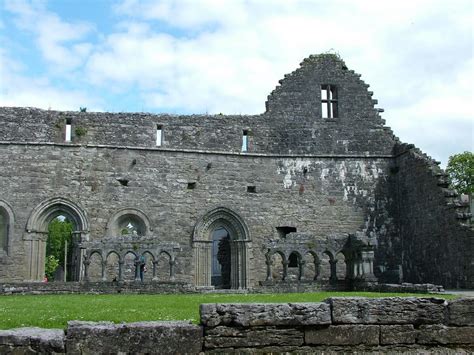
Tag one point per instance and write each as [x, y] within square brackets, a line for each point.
[461, 172]
[80, 131]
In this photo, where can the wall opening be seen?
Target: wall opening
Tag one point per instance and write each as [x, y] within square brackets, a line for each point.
[329, 101]
[159, 135]
[284, 230]
[293, 260]
[245, 141]
[59, 249]
[191, 185]
[252, 189]
[68, 133]
[221, 256]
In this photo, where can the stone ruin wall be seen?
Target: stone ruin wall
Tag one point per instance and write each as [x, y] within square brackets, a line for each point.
[372, 326]
[322, 176]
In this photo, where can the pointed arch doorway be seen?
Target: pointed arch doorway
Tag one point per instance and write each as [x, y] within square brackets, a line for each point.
[220, 242]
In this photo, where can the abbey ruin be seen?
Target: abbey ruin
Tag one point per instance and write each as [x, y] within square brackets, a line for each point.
[316, 190]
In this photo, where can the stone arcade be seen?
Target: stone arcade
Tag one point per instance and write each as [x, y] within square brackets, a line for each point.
[316, 190]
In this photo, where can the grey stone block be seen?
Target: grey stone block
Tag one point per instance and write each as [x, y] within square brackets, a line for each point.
[441, 334]
[391, 310]
[142, 337]
[226, 337]
[343, 335]
[461, 311]
[35, 339]
[397, 334]
[275, 314]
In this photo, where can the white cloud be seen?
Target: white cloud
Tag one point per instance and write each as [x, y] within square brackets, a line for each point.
[60, 42]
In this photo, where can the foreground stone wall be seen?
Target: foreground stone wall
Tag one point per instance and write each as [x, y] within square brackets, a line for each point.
[337, 324]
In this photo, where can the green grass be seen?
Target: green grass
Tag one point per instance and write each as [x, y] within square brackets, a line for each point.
[53, 311]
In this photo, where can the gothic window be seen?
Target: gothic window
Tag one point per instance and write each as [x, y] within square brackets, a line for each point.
[329, 101]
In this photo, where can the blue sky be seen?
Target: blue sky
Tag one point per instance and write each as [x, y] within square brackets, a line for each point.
[197, 56]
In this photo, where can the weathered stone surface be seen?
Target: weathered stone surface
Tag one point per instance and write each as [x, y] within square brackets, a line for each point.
[390, 310]
[144, 337]
[258, 314]
[461, 311]
[344, 335]
[441, 334]
[227, 337]
[397, 334]
[33, 340]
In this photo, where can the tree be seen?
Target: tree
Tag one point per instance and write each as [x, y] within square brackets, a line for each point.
[461, 172]
[59, 231]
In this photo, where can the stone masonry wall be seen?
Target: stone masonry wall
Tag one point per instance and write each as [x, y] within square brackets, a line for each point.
[408, 325]
[436, 241]
[308, 193]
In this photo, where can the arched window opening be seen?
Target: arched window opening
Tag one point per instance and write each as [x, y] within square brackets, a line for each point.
[59, 248]
[293, 260]
[131, 224]
[221, 258]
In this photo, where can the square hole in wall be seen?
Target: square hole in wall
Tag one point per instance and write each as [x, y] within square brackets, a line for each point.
[191, 185]
[252, 189]
[284, 230]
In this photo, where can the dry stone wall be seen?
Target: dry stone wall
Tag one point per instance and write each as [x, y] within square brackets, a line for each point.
[349, 325]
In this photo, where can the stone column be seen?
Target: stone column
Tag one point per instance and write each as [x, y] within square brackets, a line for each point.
[269, 263]
[301, 269]
[172, 269]
[137, 269]
[86, 268]
[285, 269]
[103, 271]
[120, 275]
[155, 266]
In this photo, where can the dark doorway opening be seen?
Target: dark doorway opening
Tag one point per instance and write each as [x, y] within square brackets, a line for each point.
[221, 258]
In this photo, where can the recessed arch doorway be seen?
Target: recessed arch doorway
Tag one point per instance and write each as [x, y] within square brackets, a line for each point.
[221, 241]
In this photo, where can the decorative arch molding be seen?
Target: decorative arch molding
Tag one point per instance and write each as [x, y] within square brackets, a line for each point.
[225, 217]
[44, 212]
[36, 234]
[240, 241]
[113, 223]
[7, 212]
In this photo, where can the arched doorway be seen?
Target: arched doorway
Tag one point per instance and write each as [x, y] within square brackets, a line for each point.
[225, 227]
[221, 257]
[36, 235]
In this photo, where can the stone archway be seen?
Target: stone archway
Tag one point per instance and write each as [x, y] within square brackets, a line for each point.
[36, 234]
[239, 239]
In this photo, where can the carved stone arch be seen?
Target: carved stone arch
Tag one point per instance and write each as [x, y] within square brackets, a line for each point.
[36, 234]
[6, 228]
[113, 225]
[239, 245]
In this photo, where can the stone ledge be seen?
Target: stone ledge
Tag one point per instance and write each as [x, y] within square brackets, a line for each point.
[461, 312]
[143, 337]
[390, 310]
[35, 339]
[260, 314]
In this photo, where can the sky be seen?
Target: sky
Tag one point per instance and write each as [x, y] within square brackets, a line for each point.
[226, 56]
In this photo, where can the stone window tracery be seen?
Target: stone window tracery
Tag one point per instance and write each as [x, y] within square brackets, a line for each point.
[329, 101]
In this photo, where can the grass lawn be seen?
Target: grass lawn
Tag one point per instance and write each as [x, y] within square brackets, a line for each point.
[53, 311]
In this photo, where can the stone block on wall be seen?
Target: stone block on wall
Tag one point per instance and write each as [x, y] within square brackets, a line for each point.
[230, 337]
[441, 334]
[277, 314]
[143, 337]
[461, 312]
[343, 335]
[390, 310]
[397, 334]
[31, 340]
